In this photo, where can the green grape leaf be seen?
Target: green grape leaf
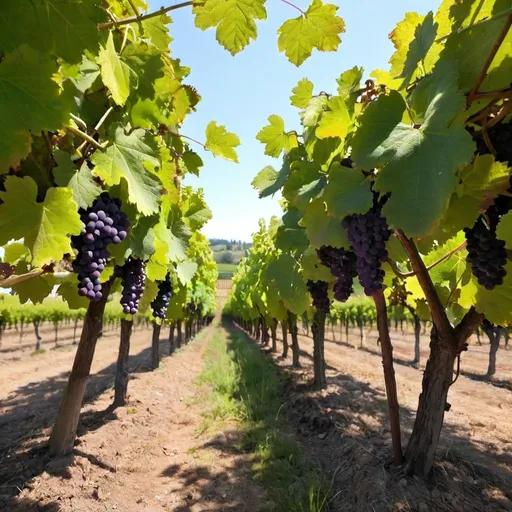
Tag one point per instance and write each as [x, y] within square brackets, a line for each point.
[142, 241]
[221, 142]
[302, 93]
[421, 162]
[34, 290]
[157, 30]
[29, 97]
[292, 239]
[176, 234]
[65, 28]
[347, 192]
[311, 114]
[304, 183]
[337, 121]
[284, 274]
[45, 226]
[504, 231]
[150, 292]
[267, 181]
[402, 37]
[88, 73]
[312, 269]
[322, 151]
[196, 212]
[15, 145]
[115, 73]
[234, 19]
[193, 162]
[38, 165]
[146, 114]
[15, 252]
[186, 271]
[424, 36]
[175, 309]
[80, 181]
[318, 27]
[275, 138]
[68, 291]
[495, 304]
[349, 82]
[322, 229]
[125, 159]
[156, 267]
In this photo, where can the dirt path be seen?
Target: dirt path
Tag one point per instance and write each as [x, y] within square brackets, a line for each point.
[146, 456]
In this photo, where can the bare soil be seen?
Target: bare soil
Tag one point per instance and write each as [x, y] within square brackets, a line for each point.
[153, 455]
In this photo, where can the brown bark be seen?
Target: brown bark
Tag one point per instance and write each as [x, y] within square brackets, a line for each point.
[121, 382]
[39, 340]
[494, 335]
[172, 327]
[389, 374]
[318, 330]
[155, 346]
[292, 327]
[179, 337]
[273, 330]
[63, 434]
[437, 378]
[417, 333]
[284, 329]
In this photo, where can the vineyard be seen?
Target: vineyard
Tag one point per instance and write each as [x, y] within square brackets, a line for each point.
[126, 361]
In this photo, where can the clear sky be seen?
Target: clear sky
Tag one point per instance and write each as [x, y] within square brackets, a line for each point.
[241, 92]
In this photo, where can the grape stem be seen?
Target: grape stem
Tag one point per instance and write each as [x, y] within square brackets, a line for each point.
[21, 278]
[83, 147]
[404, 275]
[138, 19]
[137, 14]
[490, 58]
[294, 6]
[86, 137]
[174, 134]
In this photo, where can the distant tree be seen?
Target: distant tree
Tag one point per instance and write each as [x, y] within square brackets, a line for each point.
[226, 257]
[229, 247]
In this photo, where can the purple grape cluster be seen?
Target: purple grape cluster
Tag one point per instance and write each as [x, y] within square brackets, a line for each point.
[319, 293]
[161, 302]
[104, 224]
[133, 281]
[342, 264]
[368, 234]
[486, 255]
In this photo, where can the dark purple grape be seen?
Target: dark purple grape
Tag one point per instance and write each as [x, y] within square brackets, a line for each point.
[319, 293]
[162, 299]
[133, 281]
[342, 264]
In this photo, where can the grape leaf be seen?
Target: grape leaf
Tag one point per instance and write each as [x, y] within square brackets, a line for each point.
[347, 192]
[115, 73]
[65, 28]
[421, 162]
[125, 159]
[349, 82]
[15, 252]
[234, 19]
[68, 291]
[322, 229]
[312, 269]
[150, 292]
[314, 109]
[266, 181]
[146, 114]
[88, 72]
[504, 231]
[195, 210]
[384, 78]
[15, 144]
[80, 181]
[38, 165]
[284, 274]
[318, 27]
[29, 97]
[424, 36]
[495, 304]
[304, 183]
[221, 142]
[157, 30]
[156, 267]
[302, 93]
[186, 271]
[142, 241]
[45, 226]
[174, 233]
[175, 309]
[34, 290]
[276, 138]
[336, 122]
[402, 37]
[192, 161]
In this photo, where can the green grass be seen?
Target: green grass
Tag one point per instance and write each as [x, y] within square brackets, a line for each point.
[246, 388]
[226, 270]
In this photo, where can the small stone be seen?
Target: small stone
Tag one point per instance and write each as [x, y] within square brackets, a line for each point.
[436, 494]
[97, 494]
[322, 436]
[403, 482]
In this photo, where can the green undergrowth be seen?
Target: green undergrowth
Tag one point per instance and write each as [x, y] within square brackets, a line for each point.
[246, 388]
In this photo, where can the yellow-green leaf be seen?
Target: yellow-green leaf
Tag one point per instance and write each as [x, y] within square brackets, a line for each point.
[302, 93]
[275, 137]
[221, 142]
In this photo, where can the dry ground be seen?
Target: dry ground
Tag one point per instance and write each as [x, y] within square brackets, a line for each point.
[152, 455]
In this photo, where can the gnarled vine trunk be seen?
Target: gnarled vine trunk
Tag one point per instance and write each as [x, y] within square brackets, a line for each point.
[292, 327]
[155, 346]
[284, 329]
[172, 327]
[39, 340]
[63, 434]
[121, 382]
[273, 330]
[417, 335]
[318, 330]
[179, 337]
[437, 379]
[494, 335]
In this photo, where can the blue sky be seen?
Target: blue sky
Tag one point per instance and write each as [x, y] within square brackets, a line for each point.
[241, 92]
